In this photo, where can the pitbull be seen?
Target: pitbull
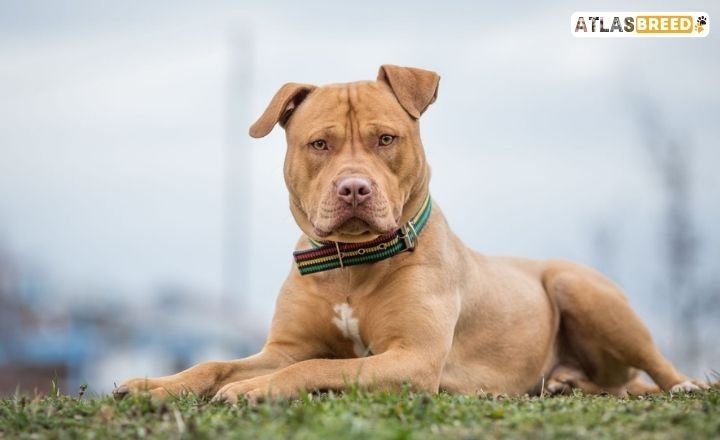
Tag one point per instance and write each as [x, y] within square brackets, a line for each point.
[383, 294]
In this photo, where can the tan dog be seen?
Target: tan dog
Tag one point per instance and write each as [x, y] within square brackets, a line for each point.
[441, 317]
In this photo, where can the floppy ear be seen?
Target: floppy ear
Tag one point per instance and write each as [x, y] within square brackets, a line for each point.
[415, 89]
[280, 108]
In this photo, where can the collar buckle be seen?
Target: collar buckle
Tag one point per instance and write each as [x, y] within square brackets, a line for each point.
[409, 235]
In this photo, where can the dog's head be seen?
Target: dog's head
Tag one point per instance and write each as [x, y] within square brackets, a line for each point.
[355, 165]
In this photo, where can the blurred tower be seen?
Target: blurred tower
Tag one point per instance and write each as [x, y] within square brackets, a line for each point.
[238, 168]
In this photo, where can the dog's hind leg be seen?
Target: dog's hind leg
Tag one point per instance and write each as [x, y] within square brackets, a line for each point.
[600, 333]
[564, 379]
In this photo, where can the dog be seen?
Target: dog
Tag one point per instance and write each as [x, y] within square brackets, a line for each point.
[382, 293]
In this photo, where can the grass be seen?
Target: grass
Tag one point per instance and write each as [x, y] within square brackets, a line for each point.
[367, 415]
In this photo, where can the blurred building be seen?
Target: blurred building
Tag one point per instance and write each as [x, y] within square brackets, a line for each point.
[46, 335]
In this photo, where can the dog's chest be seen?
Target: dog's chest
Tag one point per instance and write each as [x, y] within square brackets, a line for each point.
[346, 321]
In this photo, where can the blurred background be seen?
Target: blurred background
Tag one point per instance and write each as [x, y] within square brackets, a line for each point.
[142, 230]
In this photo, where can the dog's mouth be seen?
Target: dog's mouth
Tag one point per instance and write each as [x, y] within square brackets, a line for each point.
[354, 224]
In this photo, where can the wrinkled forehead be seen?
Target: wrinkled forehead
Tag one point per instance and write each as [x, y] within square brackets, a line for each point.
[339, 103]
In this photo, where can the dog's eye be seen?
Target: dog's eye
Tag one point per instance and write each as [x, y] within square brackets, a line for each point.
[386, 140]
[319, 144]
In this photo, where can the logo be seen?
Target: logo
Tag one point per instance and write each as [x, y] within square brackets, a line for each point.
[701, 22]
[639, 24]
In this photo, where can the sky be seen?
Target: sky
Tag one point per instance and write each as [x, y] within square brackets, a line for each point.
[124, 154]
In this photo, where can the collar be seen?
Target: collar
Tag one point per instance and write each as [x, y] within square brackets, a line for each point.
[328, 255]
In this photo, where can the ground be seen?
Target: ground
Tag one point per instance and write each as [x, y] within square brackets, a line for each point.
[358, 414]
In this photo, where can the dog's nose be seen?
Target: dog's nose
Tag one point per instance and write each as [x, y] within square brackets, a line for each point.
[354, 190]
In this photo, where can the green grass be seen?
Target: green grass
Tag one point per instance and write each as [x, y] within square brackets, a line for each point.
[368, 415]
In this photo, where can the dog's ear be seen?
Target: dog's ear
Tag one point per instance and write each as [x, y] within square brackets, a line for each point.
[415, 89]
[280, 108]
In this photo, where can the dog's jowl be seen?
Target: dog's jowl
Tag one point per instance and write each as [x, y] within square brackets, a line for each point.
[382, 293]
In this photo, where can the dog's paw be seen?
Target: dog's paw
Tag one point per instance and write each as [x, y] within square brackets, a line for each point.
[562, 381]
[232, 393]
[251, 390]
[254, 391]
[556, 387]
[689, 386]
[155, 388]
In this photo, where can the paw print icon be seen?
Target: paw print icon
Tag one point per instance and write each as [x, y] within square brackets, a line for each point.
[700, 24]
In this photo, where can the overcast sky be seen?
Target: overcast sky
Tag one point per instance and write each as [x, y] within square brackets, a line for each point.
[115, 121]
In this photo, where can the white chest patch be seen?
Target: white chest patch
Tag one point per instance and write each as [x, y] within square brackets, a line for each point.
[350, 328]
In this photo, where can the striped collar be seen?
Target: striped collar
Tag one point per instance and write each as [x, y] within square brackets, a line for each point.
[328, 255]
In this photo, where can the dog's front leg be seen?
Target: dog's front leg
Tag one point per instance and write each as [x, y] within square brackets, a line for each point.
[207, 378]
[386, 371]
[411, 335]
